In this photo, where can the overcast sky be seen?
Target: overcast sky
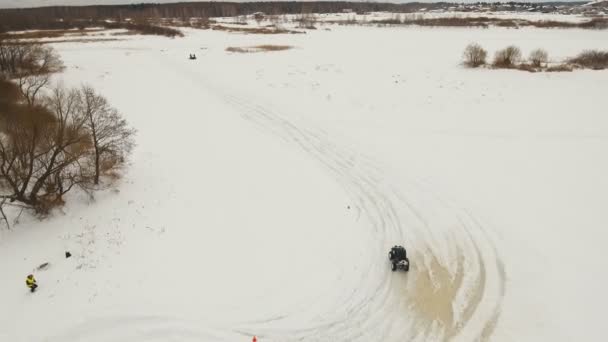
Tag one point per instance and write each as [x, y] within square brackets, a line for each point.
[38, 3]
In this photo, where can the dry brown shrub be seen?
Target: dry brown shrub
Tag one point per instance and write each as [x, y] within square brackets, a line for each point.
[552, 24]
[200, 23]
[507, 23]
[35, 34]
[254, 30]
[85, 40]
[560, 68]
[143, 28]
[46, 204]
[596, 23]
[592, 59]
[124, 33]
[9, 94]
[507, 57]
[538, 57]
[48, 34]
[474, 55]
[527, 67]
[110, 163]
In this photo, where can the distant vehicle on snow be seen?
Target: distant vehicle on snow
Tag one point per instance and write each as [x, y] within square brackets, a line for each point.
[398, 258]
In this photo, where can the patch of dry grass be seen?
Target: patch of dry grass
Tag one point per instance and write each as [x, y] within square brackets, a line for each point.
[258, 48]
[559, 68]
[48, 34]
[255, 30]
[144, 28]
[528, 67]
[84, 40]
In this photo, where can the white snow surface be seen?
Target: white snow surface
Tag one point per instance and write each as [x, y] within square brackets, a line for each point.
[267, 188]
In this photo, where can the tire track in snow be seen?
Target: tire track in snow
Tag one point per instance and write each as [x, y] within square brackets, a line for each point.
[460, 305]
[464, 289]
[360, 307]
[148, 328]
[434, 285]
[450, 293]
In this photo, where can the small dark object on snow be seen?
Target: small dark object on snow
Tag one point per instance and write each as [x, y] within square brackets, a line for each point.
[43, 267]
[68, 254]
[398, 258]
[192, 56]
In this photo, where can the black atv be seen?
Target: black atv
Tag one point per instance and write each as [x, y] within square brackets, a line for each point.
[398, 258]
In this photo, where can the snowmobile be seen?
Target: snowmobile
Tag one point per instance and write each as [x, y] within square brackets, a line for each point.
[398, 258]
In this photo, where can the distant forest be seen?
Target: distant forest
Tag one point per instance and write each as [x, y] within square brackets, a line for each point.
[64, 17]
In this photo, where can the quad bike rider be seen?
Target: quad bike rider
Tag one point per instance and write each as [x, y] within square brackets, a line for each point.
[398, 258]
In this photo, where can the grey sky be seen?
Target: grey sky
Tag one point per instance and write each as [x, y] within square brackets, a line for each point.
[39, 3]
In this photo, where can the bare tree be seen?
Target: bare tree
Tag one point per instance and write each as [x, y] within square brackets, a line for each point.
[43, 61]
[66, 147]
[474, 55]
[111, 136]
[12, 56]
[507, 57]
[42, 148]
[48, 143]
[538, 57]
[31, 65]
[31, 85]
[24, 140]
[2, 202]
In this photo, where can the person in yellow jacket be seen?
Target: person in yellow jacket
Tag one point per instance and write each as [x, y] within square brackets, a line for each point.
[30, 281]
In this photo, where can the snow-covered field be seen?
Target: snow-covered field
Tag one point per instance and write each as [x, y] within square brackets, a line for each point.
[267, 188]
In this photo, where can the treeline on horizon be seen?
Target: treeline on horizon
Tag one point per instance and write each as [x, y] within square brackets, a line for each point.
[65, 17]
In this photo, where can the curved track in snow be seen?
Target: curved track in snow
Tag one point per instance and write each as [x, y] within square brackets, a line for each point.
[138, 328]
[456, 285]
[453, 291]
